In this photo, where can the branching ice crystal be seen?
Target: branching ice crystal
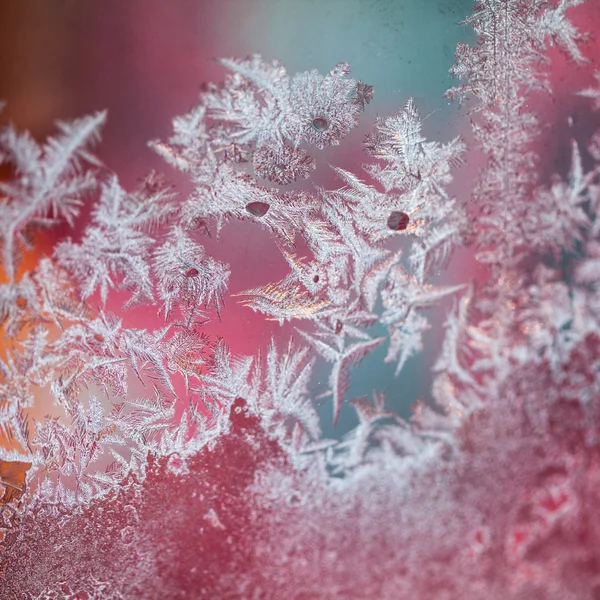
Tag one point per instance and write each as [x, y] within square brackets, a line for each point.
[48, 183]
[210, 469]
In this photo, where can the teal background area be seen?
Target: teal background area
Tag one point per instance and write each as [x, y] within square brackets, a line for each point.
[401, 47]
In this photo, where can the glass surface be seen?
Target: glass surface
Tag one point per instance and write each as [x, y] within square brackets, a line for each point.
[267, 336]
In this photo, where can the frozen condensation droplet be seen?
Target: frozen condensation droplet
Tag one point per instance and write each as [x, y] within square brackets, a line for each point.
[398, 220]
[320, 124]
[257, 209]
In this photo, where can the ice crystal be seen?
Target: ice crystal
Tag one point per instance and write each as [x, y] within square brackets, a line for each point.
[500, 72]
[186, 277]
[283, 398]
[48, 184]
[164, 448]
[283, 301]
[117, 245]
[332, 347]
[282, 165]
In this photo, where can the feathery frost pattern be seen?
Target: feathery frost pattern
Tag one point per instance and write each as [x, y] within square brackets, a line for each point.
[205, 474]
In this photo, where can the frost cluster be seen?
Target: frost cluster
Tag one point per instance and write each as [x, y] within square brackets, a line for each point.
[217, 481]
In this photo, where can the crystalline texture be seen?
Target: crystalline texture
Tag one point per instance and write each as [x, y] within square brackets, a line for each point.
[216, 481]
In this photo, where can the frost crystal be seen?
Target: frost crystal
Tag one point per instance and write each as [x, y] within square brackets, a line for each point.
[186, 277]
[169, 467]
[49, 184]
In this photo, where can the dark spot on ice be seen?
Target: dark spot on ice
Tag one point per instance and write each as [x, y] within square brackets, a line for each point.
[398, 221]
[257, 209]
[320, 124]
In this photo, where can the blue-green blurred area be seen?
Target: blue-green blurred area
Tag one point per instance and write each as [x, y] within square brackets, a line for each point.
[144, 60]
[400, 47]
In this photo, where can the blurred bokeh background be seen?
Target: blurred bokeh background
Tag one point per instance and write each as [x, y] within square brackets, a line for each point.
[145, 59]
